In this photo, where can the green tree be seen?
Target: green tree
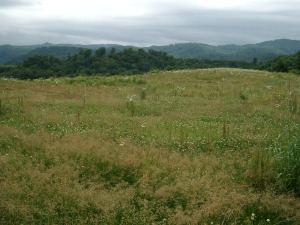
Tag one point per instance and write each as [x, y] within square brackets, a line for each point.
[254, 61]
[112, 53]
[101, 52]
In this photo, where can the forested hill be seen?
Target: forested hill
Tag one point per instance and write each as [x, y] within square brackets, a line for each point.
[100, 62]
[12, 55]
[290, 63]
[263, 51]
[58, 51]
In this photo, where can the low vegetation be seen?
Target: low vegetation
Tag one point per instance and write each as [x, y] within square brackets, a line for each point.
[211, 146]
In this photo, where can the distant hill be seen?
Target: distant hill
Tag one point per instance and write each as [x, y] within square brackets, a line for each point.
[58, 51]
[11, 55]
[262, 51]
[9, 52]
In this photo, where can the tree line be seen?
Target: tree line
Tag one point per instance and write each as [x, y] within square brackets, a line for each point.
[106, 63]
[290, 63]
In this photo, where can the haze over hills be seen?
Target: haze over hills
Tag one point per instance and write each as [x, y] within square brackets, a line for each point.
[262, 51]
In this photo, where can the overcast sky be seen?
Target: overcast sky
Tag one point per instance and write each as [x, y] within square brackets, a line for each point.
[148, 22]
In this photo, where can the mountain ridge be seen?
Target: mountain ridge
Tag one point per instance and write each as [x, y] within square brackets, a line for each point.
[262, 51]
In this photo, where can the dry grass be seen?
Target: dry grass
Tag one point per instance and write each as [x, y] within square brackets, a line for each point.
[179, 147]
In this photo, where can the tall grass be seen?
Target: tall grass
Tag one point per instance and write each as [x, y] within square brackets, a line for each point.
[180, 147]
[0, 106]
[260, 169]
[288, 165]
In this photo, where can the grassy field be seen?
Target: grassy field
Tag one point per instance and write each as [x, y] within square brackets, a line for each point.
[214, 146]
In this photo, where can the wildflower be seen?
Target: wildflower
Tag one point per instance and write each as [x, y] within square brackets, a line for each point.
[122, 144]
[131, 97]
[252, 216]
[143, 125]
[268, 220]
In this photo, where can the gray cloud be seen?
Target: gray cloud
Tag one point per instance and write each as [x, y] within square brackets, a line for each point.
[163, 26]
[212, 27]
[13, 3]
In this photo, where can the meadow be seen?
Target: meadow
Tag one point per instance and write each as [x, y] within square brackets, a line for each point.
[209, 146]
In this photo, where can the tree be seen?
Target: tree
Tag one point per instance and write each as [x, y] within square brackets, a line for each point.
[86, 53]
[112, 53]
[41, 62]
[101, 52]
[254, 61]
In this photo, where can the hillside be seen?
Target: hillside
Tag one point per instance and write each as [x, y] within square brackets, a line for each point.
[8, 52]
[262, 51]
[58, 51]
[288, 63]
[10, 55]
[211, 146]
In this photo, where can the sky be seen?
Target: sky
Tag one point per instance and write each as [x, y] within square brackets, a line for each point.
[148, 22]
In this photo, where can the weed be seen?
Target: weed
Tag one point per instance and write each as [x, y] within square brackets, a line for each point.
[260, 171]
[143, 94]
[78, 117]
[131, 106]
[243, 96]
[20, 101]
[225, 131]
[293, 102]
[84, 103]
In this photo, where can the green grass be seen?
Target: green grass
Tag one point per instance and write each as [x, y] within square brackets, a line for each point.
[288, 165]
[179, 147]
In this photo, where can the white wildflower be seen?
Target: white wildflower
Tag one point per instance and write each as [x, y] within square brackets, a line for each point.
[131, 97]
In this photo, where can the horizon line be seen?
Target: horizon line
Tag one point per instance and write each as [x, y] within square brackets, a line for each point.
[130, 45]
